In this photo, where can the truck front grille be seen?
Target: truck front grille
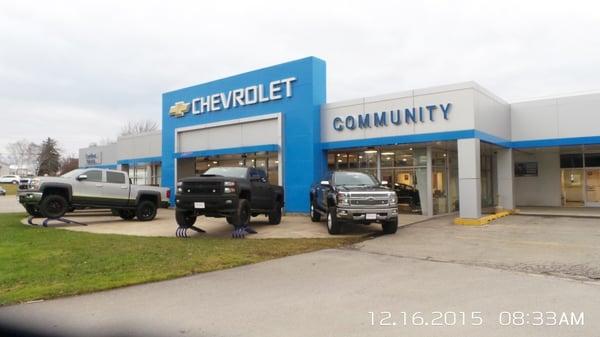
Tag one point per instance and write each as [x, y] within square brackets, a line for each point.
[204, 188]
[368, 202]
[369, 199]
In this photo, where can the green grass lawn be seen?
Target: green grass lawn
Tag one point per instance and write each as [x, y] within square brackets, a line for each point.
[42, 263]
[11, 189]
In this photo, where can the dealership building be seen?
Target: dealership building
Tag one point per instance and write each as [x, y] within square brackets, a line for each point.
[451, 148]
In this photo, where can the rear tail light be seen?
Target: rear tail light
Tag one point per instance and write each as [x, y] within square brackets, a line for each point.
[168, 193]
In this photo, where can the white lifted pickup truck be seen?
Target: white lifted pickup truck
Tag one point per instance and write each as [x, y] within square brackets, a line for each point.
[52, 197]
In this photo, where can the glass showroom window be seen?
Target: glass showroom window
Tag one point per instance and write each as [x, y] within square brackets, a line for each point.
[267, 161]
[360, 160]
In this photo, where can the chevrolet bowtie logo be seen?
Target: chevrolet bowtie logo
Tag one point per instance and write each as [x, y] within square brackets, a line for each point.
[179, 109]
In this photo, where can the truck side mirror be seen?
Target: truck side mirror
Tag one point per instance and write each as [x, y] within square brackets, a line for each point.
[82, 177]
[324, 182]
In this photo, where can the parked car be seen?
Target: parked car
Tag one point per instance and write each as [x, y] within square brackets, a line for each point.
[236, 193]
[52, 197]
[353, 197]
[407, 194]
[25, 180]
[347, 196]
[10, 179]
[2, 191]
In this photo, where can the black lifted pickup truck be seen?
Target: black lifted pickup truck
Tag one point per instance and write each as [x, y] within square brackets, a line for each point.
[236, 193]
[346, 196]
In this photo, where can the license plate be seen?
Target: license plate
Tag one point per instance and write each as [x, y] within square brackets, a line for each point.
[199, 205]
[371, 216]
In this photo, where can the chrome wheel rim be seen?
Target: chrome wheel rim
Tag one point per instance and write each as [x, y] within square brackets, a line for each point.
[312, 211]
[329, 220]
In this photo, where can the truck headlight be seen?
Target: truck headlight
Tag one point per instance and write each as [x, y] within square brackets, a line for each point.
[229, 187]
[179, 189]
[393, 199]
[342, 199]
[34, 184]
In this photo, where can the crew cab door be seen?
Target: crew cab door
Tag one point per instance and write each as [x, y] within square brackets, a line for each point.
[261, 192]
[88, 186]
[116, 189]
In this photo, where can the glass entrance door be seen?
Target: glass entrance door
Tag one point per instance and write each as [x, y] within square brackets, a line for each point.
[592, 187]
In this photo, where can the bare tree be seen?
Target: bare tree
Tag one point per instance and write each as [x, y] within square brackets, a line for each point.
[24, 155]
[68, 164]
[138, 127]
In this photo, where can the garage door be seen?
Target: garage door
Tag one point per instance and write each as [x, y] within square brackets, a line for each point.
[231, 135]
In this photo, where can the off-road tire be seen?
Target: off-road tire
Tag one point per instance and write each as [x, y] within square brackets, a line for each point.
[334, 225]
[314, 215]
[242, 213]
[126, 214]
[146, 210]
[390, 226]
[33, 210]
[185, 219]
[53, 206]
[275, 214]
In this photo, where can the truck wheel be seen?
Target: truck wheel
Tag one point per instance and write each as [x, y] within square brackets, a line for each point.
[390, 227]
[230, 220]
[275, 214]
[314, 215]
[185, 219]
[146, 210]
[53, 206]
[242, 214]
[126, 214]
[32, 210]
[333, 223]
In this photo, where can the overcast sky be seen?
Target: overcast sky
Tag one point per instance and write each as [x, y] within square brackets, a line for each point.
[77, 70]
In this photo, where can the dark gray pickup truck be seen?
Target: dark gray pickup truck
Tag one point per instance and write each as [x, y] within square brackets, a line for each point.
[347, 196]
[236, 193]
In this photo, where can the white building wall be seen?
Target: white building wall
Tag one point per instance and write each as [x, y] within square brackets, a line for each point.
[230, 135]
[492, 114]
[140, 146]
[105, 154]
[543, 190]
[561, 117]
[461, 116]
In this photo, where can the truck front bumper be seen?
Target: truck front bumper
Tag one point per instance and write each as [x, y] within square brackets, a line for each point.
[29, 198]
[367, 214]
[222, 205]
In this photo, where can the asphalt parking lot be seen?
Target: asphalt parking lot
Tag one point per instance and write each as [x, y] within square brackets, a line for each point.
[426, 267]
[561, 246]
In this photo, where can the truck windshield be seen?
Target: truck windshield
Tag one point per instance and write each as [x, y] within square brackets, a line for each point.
[232, 172]
[354, 178]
